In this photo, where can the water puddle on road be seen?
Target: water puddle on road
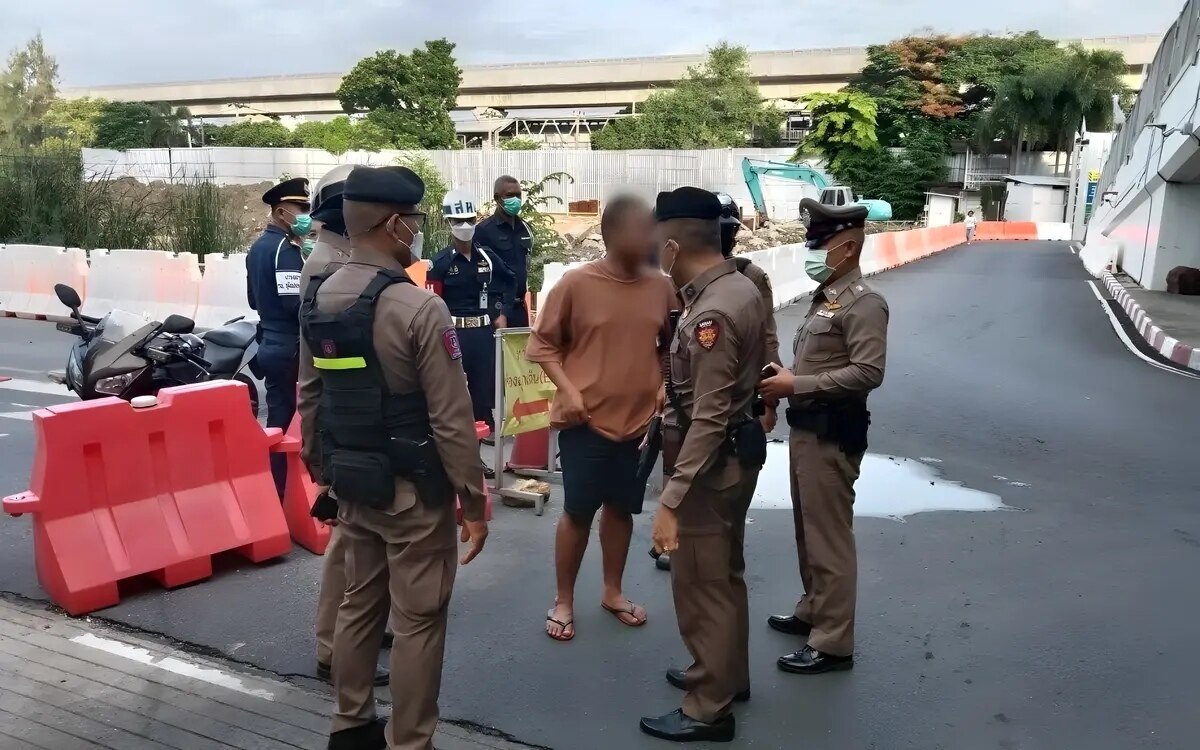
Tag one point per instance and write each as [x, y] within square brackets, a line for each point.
[889, 487]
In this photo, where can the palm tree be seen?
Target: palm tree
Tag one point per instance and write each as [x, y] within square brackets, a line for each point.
[1047, 105]
[165, 125]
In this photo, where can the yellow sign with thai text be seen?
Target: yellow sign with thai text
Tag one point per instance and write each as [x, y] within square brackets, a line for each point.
[528, 391]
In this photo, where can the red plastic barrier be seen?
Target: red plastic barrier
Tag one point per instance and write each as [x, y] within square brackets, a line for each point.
[299, 494]
[531, 450]
[119, 492]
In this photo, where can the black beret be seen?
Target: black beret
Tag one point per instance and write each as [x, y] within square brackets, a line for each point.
[396, 185]
[687, 203]
[294, 190]
[825, 221]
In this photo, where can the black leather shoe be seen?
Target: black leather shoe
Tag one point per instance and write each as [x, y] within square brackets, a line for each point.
[808, 660]
[678, 678]
[489, 472]
[367, 737]
[677, 727]
[388, 638]
[663, 562]
[382, 676]
[789, 625]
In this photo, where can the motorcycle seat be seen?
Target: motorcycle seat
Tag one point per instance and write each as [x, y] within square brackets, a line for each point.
[234, 336]
[223, 361]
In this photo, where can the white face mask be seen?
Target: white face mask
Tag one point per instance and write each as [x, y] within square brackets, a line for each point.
[463, 232]
[418, 246]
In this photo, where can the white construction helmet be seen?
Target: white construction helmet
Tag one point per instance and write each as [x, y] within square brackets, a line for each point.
[458, 205]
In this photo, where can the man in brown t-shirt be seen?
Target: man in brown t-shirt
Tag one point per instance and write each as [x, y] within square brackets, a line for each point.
[597, 338]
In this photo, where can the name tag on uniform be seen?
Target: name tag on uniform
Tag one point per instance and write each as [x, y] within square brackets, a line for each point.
[287, 282]
[824, 314]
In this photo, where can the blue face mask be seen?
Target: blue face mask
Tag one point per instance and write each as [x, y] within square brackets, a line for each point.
[815, 263]
[300, 225]
[512, 206]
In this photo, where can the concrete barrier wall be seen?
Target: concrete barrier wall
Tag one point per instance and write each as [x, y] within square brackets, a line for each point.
[157, 284]
[785, 264]
[147, 282]
[28, 274]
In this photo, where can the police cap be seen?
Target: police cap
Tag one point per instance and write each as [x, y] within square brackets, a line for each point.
[825, 221]
[687, 203]
[294, 190]
[327, 195]
[394, 185]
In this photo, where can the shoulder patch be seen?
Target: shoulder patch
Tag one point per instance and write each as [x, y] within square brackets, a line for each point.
[708, 331]
[450, 341]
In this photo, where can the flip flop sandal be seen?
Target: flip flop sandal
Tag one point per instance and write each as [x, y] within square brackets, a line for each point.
[563, 637]
[631, 611]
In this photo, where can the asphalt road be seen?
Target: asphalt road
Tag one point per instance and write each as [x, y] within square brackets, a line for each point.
[1066, 622]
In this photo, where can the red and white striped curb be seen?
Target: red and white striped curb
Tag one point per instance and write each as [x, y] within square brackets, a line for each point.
[1171, 348]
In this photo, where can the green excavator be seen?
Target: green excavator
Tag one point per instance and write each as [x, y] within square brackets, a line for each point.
[831, 195]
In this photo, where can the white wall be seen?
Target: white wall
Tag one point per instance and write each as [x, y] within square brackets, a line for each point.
[1041, 203]
[596, 174]
[1153, 212]
[940, 210]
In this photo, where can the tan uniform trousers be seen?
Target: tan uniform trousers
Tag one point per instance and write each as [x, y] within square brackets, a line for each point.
[709, 588]
[823, 508]
[333, 591]
[408, 559]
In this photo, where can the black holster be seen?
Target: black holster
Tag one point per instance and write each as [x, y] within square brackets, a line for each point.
[651, 447]
[747, 441]
[845, 423]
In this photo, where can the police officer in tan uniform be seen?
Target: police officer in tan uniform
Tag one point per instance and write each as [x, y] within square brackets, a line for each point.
[713, 451]
[331, 252]
[840, 352]
[394, 439]
[731, 223]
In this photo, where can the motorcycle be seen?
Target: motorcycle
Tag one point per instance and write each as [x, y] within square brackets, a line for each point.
[125, 355]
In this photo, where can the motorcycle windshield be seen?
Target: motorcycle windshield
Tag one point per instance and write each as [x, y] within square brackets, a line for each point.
[119, 333]
[119, 325]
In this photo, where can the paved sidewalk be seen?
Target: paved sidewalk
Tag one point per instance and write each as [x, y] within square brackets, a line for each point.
[1170, 323]
[73, 684]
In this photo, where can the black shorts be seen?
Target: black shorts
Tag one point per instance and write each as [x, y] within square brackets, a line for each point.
[598, 471]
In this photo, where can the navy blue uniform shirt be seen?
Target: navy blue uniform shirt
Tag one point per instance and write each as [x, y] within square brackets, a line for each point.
[273, 281]
[513, 242]
[461, 282]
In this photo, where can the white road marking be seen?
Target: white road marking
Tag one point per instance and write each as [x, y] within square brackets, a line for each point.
[24, 416]
[1120, 330]
[37, 386]
[171, 664]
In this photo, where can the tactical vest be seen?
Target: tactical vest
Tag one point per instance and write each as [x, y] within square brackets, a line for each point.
[368, 435]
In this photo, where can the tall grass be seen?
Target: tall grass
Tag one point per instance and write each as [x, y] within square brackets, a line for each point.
[46, 197]
[201, 220]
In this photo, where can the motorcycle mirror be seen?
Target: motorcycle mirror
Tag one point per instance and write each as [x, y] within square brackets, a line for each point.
[178, 324]
[68, 296]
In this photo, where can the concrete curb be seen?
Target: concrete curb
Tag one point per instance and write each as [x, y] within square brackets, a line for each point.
[1171, 348]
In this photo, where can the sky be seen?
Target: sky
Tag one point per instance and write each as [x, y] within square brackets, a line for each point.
[145, 41]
